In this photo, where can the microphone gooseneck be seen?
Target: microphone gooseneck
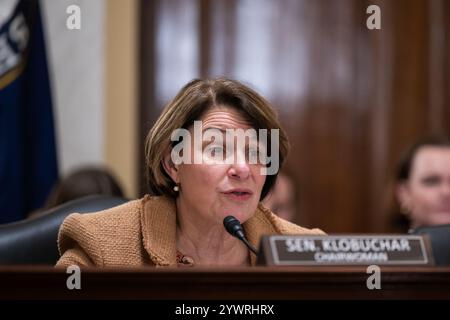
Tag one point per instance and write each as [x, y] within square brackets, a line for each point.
[234, 227]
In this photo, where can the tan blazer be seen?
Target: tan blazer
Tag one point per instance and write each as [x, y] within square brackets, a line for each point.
[142, 232]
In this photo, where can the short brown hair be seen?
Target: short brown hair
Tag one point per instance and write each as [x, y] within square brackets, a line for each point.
[193, 100]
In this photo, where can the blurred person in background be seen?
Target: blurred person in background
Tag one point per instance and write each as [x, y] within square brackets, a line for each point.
[282, 199]
[422, 185]
[82, 182]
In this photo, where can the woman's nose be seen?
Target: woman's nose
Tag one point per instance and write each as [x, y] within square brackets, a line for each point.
[239, 171]
[445, 189]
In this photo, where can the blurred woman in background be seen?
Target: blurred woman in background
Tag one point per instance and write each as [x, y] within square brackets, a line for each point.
[422, 187]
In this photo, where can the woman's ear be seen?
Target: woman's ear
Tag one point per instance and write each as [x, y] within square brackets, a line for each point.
[403, 197]
[170, 168]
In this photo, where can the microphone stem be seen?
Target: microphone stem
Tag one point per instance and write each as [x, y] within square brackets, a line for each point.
[249, 245]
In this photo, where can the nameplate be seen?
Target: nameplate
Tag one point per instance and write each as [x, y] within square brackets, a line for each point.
[345, 250]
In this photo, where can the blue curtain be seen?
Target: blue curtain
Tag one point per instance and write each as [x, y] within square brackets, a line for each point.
[28, 165]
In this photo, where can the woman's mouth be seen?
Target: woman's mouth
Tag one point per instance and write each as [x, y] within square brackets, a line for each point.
[238, 194]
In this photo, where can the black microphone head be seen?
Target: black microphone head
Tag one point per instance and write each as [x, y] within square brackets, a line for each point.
[233, 226]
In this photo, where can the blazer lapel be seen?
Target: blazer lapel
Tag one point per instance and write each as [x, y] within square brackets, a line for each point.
[258, 225]
[158, 223]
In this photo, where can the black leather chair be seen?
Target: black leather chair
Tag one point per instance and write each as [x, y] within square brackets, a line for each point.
[440, 242]
[33, 241]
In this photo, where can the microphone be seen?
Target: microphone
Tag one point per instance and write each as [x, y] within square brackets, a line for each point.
[233, 227]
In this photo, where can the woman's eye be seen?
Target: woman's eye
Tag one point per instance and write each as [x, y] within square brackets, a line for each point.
[216, 150]
[430, 181]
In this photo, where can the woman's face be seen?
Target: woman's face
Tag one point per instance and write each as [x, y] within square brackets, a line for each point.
[426, 195]
[213, 190]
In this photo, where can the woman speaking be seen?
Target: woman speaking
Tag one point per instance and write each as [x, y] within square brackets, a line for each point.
[215, 151]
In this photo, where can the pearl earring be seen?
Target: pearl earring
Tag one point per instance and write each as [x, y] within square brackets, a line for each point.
[176, 188]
